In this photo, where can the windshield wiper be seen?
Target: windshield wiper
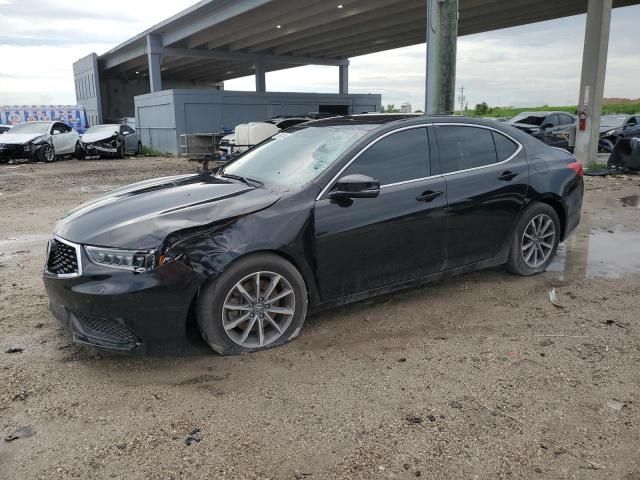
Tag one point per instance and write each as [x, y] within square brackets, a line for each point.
[248, 181]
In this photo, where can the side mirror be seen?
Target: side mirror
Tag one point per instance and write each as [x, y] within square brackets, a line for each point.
[56, 132]
[125, 133]
[356, 186]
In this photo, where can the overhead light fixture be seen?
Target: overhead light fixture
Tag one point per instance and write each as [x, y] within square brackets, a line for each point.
[340, 6]
[137, 73]
[229, 72]
[278, 26]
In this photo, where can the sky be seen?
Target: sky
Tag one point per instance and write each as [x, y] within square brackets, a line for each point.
[531, 65]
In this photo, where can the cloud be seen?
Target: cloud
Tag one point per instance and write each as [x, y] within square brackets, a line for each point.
[528, 65]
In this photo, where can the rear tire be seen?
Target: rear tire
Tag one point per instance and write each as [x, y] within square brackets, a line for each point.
[234, 320]
[535, 240]
[78, 152]
[139, 149]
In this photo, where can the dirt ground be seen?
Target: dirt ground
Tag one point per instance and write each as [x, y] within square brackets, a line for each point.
[477, 377]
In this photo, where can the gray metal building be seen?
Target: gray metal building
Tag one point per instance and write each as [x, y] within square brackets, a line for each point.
[217, 40]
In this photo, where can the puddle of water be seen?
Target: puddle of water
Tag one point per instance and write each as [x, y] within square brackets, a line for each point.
[598, 253]
[631, 201]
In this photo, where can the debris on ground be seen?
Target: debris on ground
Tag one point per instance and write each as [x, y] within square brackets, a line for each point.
[194, 436]
[413, 419]
[22, 432]
[553, 298]
[455, 404]
[615, 404]
[14, 350]
[546, 342]
[431, 418]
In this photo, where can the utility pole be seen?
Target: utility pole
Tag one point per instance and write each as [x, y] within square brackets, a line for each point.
[442, 38]
[462, 99]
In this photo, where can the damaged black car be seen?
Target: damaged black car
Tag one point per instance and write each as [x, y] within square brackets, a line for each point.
[328, 212]
[615, 127]
[110, 140]
[549, 127]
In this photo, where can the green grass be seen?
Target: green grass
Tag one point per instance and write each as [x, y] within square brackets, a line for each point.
[610, 108]
[594, 166]
[150, 152]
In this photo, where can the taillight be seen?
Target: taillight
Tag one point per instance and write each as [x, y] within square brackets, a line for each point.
[576, 167]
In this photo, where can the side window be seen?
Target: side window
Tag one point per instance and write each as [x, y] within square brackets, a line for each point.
[396, 158]
[566, 120]
[632, 121]
[462, 148]
[56, 128]
[505, 147]
[125, 128]
[551, 120]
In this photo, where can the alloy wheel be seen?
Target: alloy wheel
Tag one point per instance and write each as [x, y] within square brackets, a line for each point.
[538, 240]
[258, 309]
[49, 154]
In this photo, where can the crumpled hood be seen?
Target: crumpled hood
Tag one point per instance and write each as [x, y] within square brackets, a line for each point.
[526, 127]
[97, 136]
[18, 138]
[142, 215]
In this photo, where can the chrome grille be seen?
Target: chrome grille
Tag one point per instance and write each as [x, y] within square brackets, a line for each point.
[63, 258]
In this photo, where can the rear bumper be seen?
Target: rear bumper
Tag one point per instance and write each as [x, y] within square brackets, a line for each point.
[118, 310]
[574, 207]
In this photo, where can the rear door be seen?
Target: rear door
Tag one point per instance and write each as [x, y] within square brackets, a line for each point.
[487, 177]
[368, 243]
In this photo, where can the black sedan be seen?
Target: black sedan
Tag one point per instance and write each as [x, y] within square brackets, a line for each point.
[550, 127]
[615, 127]
[326, 213]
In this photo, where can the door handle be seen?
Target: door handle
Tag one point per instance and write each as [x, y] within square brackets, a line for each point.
[507, 176]
[428, 196]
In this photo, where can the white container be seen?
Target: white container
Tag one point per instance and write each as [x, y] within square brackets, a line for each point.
[249, 134]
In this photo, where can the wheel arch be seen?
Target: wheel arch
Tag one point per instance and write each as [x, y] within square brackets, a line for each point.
[555, 202]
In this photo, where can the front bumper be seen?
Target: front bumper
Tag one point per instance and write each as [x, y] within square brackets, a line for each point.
[16, 152]
[99, 149]
[119, 310]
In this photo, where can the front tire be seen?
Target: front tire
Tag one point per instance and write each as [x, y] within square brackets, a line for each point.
[535, 240]
[46, 154]
[259, 302]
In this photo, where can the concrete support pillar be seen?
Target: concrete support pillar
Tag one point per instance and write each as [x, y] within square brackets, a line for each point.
[154, 57]
[343, 81]
[442, 40]
[261, 81]
[594, 66]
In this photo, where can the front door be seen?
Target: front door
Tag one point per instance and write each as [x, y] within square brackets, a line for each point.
[367, 243]
[63, 138]
[487, 177]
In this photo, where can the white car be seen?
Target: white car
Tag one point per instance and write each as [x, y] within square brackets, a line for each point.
[111, 140]
[39, 141]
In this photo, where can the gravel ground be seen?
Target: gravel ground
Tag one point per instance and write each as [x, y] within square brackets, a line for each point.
[476, 377]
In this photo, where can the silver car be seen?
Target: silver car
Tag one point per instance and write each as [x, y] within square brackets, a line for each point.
[110, 140]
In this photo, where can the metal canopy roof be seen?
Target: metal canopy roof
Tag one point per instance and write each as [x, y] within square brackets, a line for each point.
[217, 40]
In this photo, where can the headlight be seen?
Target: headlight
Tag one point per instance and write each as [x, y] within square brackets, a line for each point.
[610, 132]
[134, 260]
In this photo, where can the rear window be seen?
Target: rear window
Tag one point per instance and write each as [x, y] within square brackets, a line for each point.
[505, 147]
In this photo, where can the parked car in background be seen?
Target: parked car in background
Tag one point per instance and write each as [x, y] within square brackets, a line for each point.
[549, 127]
[4, 128]
[39, 141]
[615, 127]
[110, 140]
[326, 213]
[230, 145]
